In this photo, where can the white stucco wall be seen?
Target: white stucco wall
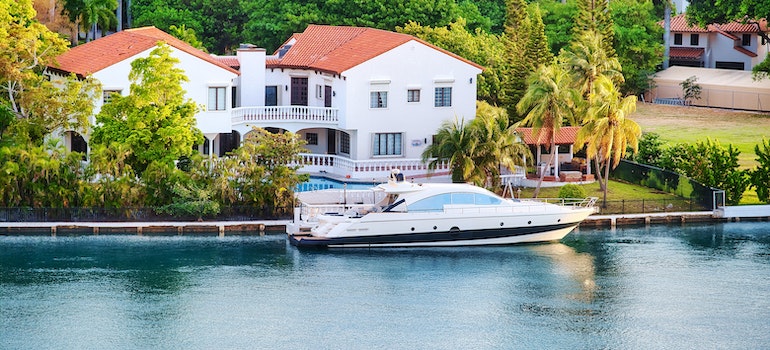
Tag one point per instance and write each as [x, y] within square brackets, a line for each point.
[201, 75]
[723, 50]
[412, 65]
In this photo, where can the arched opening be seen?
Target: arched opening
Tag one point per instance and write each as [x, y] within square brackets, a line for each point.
[76, 143]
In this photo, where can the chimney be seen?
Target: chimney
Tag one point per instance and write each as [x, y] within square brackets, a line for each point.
[251, 89]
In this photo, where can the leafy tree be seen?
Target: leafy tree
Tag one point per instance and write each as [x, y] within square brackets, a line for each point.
[690, 89]
[649, 151]
[594, 16]
[547, 105]
[39, 176]
[558, 17]
[760, 176]
[260, 172]
[39, 105]
[155, 120]
[187, 35]
[454, 144]
[714, 165]
[637, 43]
[608, 131]
[586, 61]
[91, 14]
[476, 150]
[111, 182]
[572, 191]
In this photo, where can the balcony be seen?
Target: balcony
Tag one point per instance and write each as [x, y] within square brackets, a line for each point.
[272, 115]
[370, 169]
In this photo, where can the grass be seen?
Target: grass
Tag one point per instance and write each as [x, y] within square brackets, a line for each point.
[678, 124]
[624, 197]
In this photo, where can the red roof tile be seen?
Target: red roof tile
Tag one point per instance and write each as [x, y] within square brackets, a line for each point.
[679, 24]
[565, 136]
[336, 49]
[230, 61]
[99, 54]
[686, 53]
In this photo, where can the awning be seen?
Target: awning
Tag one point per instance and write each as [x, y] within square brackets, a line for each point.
[685, 53]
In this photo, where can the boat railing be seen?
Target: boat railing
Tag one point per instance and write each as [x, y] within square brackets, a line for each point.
[587, 202]
[310, 212]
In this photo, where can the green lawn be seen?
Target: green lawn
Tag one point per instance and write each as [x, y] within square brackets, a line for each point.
[678, 124]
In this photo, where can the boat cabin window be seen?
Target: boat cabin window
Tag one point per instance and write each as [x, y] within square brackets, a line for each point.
[437, 202]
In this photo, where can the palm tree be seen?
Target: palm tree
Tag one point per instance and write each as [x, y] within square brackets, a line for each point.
[586, 59]
[498, 143]
[549, 100]
[98, 13]
[454, 144]
[607, 131]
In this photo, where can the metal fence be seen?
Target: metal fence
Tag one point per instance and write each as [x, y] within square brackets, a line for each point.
[638, 206]
[704, 197]
[239, 213]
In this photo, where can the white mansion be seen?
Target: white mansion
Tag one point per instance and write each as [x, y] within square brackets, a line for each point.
[365, 100]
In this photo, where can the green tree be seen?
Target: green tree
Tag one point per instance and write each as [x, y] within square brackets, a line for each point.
[637, 43]
[547, 105]
[110, 180]
[454, 144]
[261, 172]
[90, 15]
[39, 104]
[586, 60]
[608, 131]
[714, 165]
[558, 17]
[476, 150]
[760, 176]
[497, 144]
[690, 89]
[650, 149]
[594, 16]
[187, 35]
[155, 120]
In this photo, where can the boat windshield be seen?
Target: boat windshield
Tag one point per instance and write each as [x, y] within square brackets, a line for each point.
[437, 202]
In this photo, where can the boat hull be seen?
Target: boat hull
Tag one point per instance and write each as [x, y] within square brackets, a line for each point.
[502, 236]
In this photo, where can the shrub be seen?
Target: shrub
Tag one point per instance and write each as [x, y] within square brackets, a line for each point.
[572, 191]
[760, 176]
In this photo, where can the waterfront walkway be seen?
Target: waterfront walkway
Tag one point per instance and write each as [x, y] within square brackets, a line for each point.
[262, 227]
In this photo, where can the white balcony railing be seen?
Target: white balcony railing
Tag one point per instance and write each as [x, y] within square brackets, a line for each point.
[321, 115]
[378, 169]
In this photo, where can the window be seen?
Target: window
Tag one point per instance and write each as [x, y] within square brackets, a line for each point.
[299, 91]
[729, 65]
[437, 202]
[413, 95]
[233, 100]
[344, 143]
[379, 99]
[694, 39]
[107, 95]
[443, 97]
[319, 92]
[216, 99]
[271, 95]
[386, 144]
[677, 39]
[311, 138]
[746, 40]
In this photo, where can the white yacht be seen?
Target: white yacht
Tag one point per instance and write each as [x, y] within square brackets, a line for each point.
[404, 214]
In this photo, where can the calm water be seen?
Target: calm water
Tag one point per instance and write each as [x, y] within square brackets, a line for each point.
[665, 287]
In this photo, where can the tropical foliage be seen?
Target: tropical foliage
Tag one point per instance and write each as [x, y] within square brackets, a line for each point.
[475, 151]
[760, 176]
[155, 120]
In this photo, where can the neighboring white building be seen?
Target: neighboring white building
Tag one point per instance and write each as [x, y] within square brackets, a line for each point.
[365, 100]
[726, 46]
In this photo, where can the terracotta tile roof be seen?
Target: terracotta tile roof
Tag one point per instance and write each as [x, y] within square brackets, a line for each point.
[230, 61]
[686, 53]
[99, 54]
[728, 35]
[745, 51]
[336, 49]
[679, 24]
[565, 136]
[738, 27]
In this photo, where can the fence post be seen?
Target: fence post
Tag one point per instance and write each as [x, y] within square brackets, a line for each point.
[623, 206]
[643, 211]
